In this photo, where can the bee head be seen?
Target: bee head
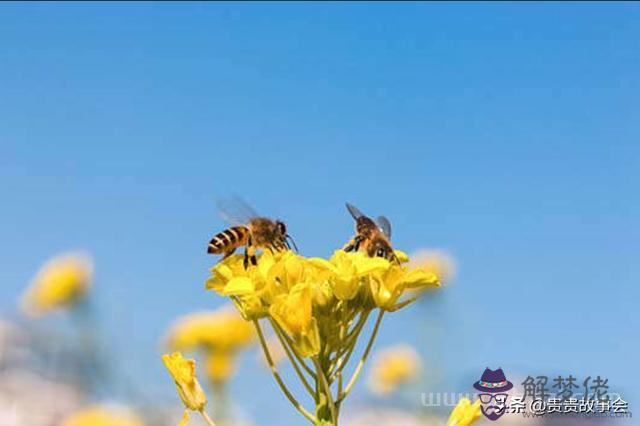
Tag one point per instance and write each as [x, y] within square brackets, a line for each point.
[380, 248]
[285, 238]
[281, 227]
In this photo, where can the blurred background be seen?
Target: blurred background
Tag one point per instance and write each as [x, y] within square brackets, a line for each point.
[502, 137]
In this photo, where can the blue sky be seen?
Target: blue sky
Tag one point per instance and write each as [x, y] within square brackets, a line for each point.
[506, 134]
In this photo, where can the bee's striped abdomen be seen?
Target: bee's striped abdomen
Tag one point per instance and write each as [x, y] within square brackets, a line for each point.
[228, 240]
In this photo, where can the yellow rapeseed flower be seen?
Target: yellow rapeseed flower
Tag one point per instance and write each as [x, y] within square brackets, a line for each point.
[183, 372]
[294, 313]
[60, 283]
[345, 276]
[465, 413]
[220, 334]
[437, 262]
[393, 367]
[103, 416]
[302, 294]
[347, 270]
[185, 418]
[319, 309]
[220, 366]
[220, 330]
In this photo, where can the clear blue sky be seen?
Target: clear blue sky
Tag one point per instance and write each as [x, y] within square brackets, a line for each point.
[507, 134]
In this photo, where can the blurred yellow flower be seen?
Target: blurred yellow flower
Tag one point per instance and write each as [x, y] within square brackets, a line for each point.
[437, 262]
[465, 413]
[60, 283]
[183, 372]
[393, 367]
[220, 366]
[223, 329]
[185, 418]
[103, 416]
[220, 334]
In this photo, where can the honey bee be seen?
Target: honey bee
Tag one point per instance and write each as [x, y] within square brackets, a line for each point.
[372, 238]
[250, 231]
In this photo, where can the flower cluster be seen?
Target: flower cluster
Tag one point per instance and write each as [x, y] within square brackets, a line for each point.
[103, 416]
[392, 368]
[60, 283]
[313, 300]
[220, 335]
[318, 309]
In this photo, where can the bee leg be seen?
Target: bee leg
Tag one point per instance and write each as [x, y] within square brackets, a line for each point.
[354, 244]
[350, 245]
[250, 254]
[249, 257]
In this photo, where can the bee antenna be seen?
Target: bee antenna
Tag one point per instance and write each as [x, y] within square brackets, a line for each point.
[292, 242]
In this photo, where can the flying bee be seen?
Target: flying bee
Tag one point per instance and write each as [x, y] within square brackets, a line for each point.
[372, 238]
[250, 231]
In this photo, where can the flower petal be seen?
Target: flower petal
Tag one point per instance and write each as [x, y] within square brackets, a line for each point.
[239, 286]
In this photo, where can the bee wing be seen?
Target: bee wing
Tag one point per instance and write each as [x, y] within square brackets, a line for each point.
[384, 225]
[235, 211]
[354, 211]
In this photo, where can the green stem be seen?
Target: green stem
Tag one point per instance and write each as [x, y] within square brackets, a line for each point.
[363, 359]
[276, 375]
[206, 418]
[324, 390]
[292, 359]
[220, 401]
[287, 339]
[341, 363]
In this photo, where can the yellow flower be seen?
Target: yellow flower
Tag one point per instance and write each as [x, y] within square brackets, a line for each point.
[249, 288]
[347, 270]
[185, 418]
[220, 366]
[220, 330]
[401, 256]
[312, 298]
[183, 372]
[388, 285]
[437, 262]
[465, 413]
[102, 416]
[60, 283]
[220, 334]
[392, 368]
[349, 273]
[294, 313]
[320, 307]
